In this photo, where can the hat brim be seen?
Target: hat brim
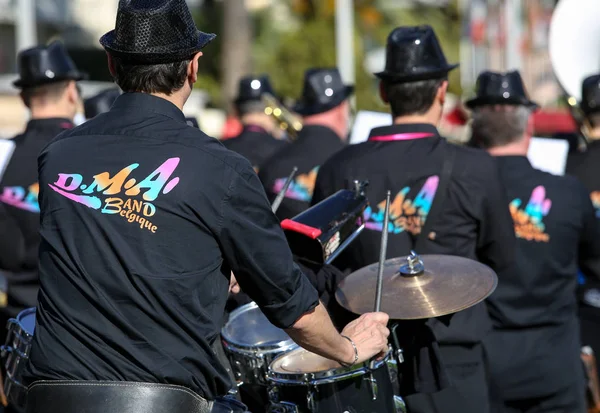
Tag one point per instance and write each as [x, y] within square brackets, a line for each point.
[26, 83]
[414, 77]
[109, 43]
[306, 109]
[483, 101]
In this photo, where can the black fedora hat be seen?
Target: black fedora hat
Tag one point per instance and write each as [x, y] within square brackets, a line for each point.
[501, 89]
[590, 94]
[101, 102]
[41, 65]
[252, 88]
[154, 32]
[414, 53]
[323, 90]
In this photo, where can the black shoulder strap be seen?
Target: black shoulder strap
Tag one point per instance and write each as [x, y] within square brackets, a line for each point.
[440, 196]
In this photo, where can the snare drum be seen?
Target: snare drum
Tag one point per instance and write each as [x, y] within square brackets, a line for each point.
[252, 343]
[16, 352]
[303, 382]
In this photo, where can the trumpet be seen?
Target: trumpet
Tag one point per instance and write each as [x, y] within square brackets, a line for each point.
[288, 122]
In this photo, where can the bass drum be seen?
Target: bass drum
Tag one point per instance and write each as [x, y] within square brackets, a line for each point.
[16, 352]
[303, 382]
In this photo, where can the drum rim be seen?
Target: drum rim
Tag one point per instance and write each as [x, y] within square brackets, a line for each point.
[244, 348]
[322, 377]
[21, 316]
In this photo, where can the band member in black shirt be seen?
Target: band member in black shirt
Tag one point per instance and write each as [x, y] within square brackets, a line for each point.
[585, 166]
[473, 221]
[47, 77]
[534, 307]
[256, 141]
[326, 113]
[143, 218]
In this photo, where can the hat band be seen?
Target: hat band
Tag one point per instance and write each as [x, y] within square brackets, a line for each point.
[400, 137]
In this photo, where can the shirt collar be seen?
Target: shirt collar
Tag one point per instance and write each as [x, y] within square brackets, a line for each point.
[63, 123]
[405, 128]
[148, 103]
[514, 161]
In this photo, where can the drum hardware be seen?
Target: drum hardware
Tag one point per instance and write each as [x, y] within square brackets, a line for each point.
[419, 287]
[279, 199]
[372, 385]
[396, 344]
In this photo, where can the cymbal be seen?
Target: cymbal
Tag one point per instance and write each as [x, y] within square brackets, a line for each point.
[445, 284]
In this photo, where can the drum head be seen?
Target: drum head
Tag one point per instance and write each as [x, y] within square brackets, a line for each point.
[301, 361]
[248, 327]
[26, 319]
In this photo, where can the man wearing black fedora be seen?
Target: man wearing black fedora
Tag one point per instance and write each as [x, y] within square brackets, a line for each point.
[47, 77]
[534, 308]
[143, 220]
[256, 141]
[325, 109]
[446, 199]
[585, 166]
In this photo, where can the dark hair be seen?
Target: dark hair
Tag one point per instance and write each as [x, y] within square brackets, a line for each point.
[158, 78]
[499, 125]
[250, 106]
[50, 92]
[412, 98]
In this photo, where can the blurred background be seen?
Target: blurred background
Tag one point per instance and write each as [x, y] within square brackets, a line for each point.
[285, 37]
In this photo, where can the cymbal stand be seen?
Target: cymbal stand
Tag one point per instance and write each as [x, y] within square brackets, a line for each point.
[281, 194]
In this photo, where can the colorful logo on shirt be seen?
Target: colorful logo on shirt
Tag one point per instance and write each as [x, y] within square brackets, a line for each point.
[22, 198]
[405, 214]
[115, 194]
[528, 222]
[595, 196]
[301, 188]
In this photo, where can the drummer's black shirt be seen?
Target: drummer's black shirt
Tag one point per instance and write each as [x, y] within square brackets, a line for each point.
[474, 221]
[142, 219]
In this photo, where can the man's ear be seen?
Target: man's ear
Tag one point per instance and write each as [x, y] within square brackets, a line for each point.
[441, 93]
[111, 65]
[383, 93]
[72, 93]
[192, 70]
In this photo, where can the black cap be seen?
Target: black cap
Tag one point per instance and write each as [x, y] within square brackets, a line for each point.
[590, 94]
[41, 65]
[100, 103]
[323, 90]
[252, 88]
[413, 54]
[154, 32]
[501, 89]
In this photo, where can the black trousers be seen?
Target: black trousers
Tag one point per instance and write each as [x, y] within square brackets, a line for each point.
[568, 400]
[468, 392]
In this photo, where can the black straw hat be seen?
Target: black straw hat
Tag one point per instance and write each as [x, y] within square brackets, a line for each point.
[252, 88]
[413, 54]
[41, 65]
[101, 102]
[323, 90]
[501, 89]
[154, 32]
[590, 94]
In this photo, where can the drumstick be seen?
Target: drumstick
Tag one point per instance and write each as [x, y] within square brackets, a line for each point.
[281, 193]
[382, 251]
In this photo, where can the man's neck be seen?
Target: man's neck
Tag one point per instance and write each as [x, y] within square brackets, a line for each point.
[50, 113]
[427, 118]
[519, 148]
[258, 119]
[594, 134]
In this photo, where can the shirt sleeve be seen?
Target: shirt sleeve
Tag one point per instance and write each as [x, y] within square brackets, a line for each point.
[12, 242]
[589, 243]
[496, 241]
[256, 249]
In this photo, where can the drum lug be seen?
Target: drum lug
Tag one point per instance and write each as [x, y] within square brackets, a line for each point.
[372, 385]
[283, 407]
[310, 398]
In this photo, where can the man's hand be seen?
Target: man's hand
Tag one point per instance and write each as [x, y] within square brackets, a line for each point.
[370, 335]
[234, 287]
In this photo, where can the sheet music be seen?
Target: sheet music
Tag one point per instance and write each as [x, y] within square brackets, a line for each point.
[7, 147]
[365, 121]
[549, 155]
